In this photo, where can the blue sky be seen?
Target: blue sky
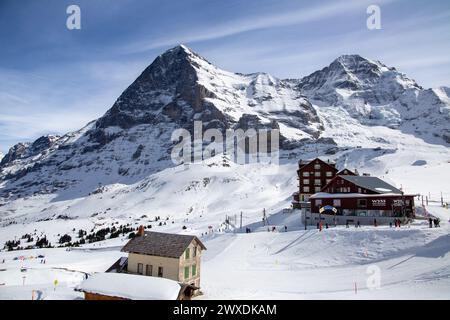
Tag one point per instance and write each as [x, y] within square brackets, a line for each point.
[53, 80]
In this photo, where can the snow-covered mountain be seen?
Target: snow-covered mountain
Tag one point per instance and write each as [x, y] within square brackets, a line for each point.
[379, 95]
[356, 111]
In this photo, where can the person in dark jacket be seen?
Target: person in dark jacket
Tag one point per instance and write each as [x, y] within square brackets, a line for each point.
[430, 222]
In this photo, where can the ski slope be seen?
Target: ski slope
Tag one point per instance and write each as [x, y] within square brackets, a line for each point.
[337, 263]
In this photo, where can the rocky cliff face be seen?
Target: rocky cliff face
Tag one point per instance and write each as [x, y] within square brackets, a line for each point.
[133, 138]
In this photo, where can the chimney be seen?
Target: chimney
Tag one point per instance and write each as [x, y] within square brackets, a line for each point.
[140, 232]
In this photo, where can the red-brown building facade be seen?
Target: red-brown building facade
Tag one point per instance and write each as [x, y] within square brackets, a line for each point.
[312, 177]
[363, 196]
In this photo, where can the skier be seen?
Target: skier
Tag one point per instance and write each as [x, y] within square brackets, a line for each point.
[285, 228]
[346, 224]
[390, 224]
[430, 222]
[374, 222]
[326, 225]
[359, 225]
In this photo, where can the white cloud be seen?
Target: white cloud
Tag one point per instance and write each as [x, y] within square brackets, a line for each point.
[246, 24]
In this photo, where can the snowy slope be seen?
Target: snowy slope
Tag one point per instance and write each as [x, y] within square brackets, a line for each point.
[117, 170]
[412, 263]
[119, 165]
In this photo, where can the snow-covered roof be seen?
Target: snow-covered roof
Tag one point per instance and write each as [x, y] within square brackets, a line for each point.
[325, 195]
[129, 286]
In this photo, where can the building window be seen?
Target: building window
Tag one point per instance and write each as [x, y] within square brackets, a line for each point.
[328, 181]
[160, 272]
[317, 174]
[317, 166]
[194, 252]
[187, 254]
[359, 190]
[317, 189]
[148, 270]
[140, 269]
[362, 203]
[317, 182]
[329, 174]
[186, 273]
[318, 203]
[194, 270]
[305, 181]
[336, 202]
[305, 189]
[306, 174]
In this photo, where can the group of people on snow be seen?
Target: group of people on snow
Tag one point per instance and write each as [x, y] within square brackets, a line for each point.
[435, 221]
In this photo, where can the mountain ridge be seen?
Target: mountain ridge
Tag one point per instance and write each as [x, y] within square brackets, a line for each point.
[132, 140]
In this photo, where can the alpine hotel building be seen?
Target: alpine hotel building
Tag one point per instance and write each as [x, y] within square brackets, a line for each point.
[344, 196]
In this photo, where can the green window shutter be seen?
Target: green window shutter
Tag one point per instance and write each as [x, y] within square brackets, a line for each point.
[194, 270]
[186, 272]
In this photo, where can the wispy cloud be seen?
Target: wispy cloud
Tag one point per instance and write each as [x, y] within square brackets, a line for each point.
[252, 23]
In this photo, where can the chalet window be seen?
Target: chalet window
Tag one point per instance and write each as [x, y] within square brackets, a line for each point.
[194, 270]
[317, 174]
[336, 202]
[140, 268]
[188, 253]
[317, 189]
[329, 174]
[305, 181]
[317, 182]
[160, 272]
[305, 189]
[318, 203]
[407, 202]
[194, 252]
[359, 190]
[328, 181]
[306, 174]
[317, 166]
[148, 270]
[362, 203]
[186, 272]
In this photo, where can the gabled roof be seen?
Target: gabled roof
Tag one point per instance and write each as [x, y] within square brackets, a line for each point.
[343, 172]
[302, 163]
[161, 244]
[372, 183]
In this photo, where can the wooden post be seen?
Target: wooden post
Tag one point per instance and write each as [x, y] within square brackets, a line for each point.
[240, 224]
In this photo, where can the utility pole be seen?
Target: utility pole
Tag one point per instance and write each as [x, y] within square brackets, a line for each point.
[442, 200]
[240, 224]
[264, 216]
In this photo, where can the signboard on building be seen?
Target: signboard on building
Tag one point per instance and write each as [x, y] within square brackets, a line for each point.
[378, 202]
